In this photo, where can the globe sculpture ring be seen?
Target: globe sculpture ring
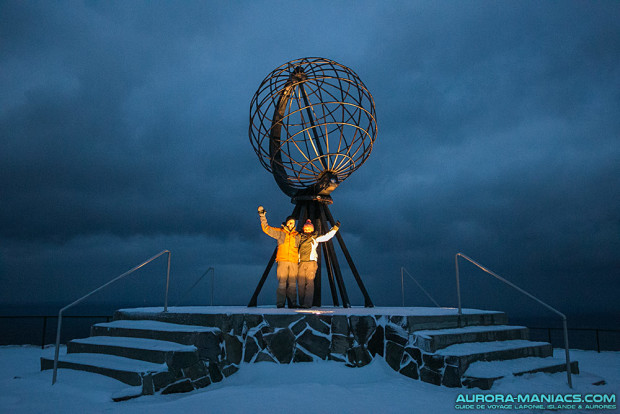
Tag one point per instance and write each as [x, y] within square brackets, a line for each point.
[312, 124]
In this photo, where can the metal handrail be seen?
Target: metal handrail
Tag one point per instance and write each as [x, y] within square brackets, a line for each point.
[97, 290]
[402, 286]
[458, 290]
[211, 269]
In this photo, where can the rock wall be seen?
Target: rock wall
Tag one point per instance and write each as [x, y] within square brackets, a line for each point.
[354, 340]
[402, 354]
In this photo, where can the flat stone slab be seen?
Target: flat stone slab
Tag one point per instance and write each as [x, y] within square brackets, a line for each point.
[130, 371]
[155, 326]
[466, 330]
[135, 343]
[112, 362]
[488, 347]
[325, 310]
[433, 340]
[519, 366]
[233, 318]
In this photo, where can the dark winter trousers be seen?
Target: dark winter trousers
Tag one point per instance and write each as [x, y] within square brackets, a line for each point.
[307, 271]
[287, 284]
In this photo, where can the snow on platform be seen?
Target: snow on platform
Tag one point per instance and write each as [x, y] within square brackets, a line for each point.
[329, 310]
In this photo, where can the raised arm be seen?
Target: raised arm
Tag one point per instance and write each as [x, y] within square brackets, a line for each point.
[329, 234]
[270, 231]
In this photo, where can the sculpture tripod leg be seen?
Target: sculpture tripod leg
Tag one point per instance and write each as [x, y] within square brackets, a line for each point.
[356, 275]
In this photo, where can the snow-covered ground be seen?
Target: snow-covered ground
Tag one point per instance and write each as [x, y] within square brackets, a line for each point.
[323, 387]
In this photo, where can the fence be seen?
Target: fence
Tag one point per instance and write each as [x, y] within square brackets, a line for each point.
[593, 336]
[26, 337]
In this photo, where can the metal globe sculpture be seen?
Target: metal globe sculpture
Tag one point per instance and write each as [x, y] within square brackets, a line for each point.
[312, 124]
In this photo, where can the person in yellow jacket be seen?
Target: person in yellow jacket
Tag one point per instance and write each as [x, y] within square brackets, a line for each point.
[287, 258]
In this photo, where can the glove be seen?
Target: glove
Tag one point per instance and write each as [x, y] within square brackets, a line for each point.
[261, 211]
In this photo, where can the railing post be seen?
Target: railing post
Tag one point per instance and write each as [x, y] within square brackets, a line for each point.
[56, 351]
[212, 283]
[43, 333]
[458, 285]
[167, 283]
[568, 369]
[402, 285]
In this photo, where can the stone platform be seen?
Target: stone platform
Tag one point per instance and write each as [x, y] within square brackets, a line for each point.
[187, 348]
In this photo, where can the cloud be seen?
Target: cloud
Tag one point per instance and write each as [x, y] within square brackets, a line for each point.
[125, 125]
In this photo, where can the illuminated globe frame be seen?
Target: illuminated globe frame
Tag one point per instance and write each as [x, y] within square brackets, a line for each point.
[312, 124]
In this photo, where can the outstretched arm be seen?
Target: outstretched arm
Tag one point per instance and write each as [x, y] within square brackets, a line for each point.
[329, 234]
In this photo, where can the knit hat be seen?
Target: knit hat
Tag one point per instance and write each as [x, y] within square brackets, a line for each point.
[308, 227]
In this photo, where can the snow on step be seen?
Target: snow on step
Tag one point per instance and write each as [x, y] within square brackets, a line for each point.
[428, 333]
[497, 369]
[155, 326]
[135, 343]
[485, 347]
[113, 362]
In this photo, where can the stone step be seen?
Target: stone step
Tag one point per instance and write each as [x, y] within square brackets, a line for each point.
[175, 355]
[468, 318]
[483, 374]
[127, 370]
[433, 340]
[462, 355]
[149, 329]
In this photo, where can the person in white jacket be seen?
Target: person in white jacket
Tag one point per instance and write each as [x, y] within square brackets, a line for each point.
[308, 261]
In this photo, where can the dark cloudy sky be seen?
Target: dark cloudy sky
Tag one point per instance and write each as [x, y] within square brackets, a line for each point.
[123, 132]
